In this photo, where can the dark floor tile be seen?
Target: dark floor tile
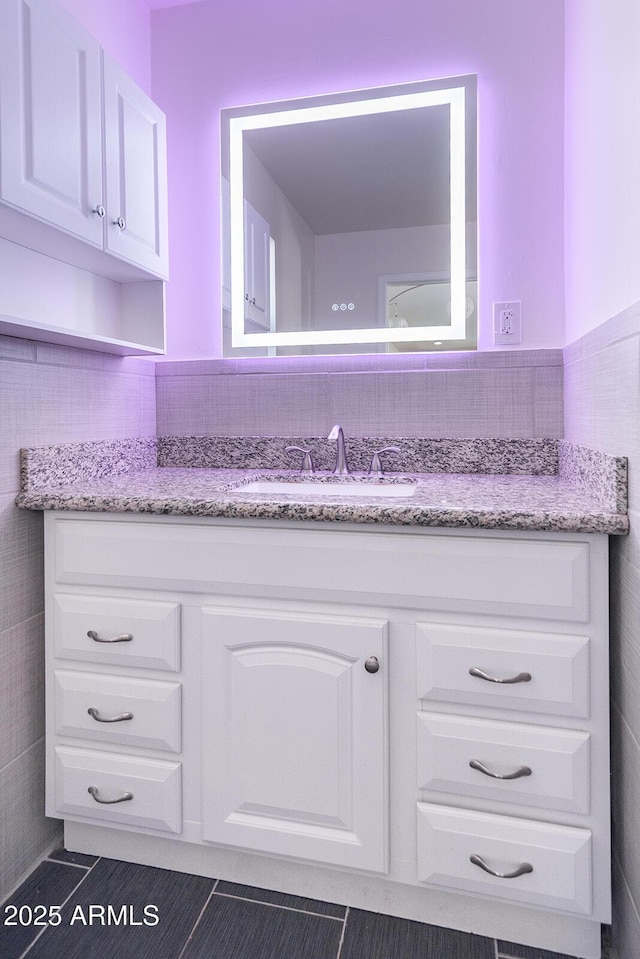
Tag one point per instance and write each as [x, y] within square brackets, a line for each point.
[75, 858]
[511, 950]
[48, 885]
[281, 899]
[370, 935]
[103, 933]
[237, 929]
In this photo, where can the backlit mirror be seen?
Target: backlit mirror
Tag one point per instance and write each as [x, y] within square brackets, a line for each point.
[349, 222]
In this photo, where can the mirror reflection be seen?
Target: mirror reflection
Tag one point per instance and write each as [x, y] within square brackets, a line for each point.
[349, 222]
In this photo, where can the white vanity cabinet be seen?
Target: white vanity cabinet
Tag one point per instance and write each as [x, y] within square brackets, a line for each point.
[409, 721]
[83, 182]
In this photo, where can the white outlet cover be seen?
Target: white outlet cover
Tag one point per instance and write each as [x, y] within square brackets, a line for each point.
[515, 335]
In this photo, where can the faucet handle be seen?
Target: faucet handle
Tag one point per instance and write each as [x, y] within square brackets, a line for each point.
[307, 462]
[376, 463]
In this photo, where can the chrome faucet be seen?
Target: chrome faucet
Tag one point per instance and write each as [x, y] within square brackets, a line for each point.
[341, 468]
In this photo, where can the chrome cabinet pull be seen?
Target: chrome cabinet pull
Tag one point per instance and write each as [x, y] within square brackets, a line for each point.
[112, 719]
[520, 871]
[93, 791]
[119, 222]
[480, 673]
[372, 665]
[100, 210]
[124, 638]
[517, 774]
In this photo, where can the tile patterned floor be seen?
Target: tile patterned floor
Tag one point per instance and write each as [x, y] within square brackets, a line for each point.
[196, 918]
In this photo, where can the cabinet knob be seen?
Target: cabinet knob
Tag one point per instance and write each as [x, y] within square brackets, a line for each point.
[94, 713]
[119, 222]
[480, 674]
[100, 210]
[93, 791]
[124, 638]
[372, 665]
[520, 871]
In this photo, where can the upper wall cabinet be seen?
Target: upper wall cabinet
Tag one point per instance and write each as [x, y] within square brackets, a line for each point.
[83, 182]
[135, 173]
[51, 109]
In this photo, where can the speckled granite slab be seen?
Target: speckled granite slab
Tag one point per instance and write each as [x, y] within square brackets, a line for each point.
[605, 477]
[417, 455]
[73, 462]
[575, 499]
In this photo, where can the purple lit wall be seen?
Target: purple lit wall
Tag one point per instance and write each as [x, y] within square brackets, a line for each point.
[207, 56]
[122, 28]
[602, 161]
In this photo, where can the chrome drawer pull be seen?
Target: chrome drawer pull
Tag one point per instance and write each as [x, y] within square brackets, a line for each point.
[520, 871]
[476, 764]
[113, 719]
[124, 638]
[93, 791]
[520, 678]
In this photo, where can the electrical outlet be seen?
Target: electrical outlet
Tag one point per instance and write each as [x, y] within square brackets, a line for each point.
[506, 323]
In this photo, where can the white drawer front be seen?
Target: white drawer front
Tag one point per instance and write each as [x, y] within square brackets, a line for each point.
[560, 857]
[154, 785]
[138, 712]
[551, 766]
[154, 628]
[509, 576]
[558, 666]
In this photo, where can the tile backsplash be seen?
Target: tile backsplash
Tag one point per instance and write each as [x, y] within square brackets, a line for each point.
[509, 395]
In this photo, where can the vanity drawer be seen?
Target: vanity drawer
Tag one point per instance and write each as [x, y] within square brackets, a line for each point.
[558, 667]
[154, 788]
[499, 575]
[96, 629]
[558, 761]
[137, 712]
[559, 857]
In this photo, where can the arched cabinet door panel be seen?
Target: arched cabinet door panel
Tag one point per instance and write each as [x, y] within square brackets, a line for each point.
[295, 734]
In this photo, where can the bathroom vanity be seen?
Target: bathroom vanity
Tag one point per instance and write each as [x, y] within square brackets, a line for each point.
[406, 719]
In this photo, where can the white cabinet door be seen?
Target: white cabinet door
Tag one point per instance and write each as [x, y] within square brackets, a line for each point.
[136, 172]
[50, 104]
[294, 734]
[257, 269]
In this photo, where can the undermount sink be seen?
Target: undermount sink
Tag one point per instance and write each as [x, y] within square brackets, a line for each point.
[302, 488]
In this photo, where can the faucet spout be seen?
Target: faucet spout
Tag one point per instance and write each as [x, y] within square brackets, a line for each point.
[341, 467]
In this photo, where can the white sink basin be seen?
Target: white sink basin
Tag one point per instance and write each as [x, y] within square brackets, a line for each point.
[303, 488]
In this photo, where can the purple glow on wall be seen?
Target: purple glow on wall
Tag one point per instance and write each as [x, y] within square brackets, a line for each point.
[205, 58]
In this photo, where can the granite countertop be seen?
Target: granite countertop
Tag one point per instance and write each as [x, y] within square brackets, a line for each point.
[515, 485]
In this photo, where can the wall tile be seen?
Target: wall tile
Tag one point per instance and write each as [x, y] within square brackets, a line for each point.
[24, 832]
[21, 564]
[52, 354]
[21, 687]
[625, 926]
[48, 394]
[435, 403]
[487, 400]
[625, 628]
[601, 391]
[548, 402]
[44, 404]
[14, 348]
[602, 394]
[626, 810]
[250, 405]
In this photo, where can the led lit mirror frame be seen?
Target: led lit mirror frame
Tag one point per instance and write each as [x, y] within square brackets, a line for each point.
[459, 95]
